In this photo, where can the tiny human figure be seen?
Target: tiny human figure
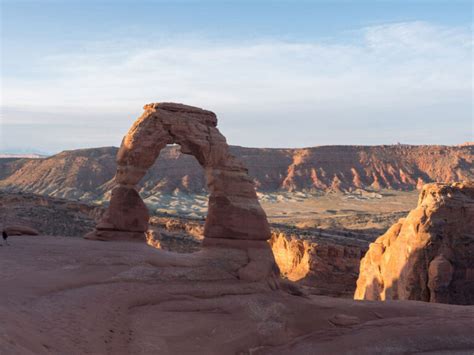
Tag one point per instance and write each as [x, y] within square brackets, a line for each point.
[5, 236]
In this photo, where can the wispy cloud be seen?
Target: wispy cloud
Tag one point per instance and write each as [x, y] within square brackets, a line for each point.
[358, 86]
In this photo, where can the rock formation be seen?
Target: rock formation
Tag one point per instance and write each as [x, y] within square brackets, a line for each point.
[323, 266]
[427, 256]
[235, 217]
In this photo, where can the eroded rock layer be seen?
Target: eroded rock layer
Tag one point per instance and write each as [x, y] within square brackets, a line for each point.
[87, 174]
[427, 256]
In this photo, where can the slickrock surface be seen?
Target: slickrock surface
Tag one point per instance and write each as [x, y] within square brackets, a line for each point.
[76, 296]
[87, 173]
[322, 264]
[427, 256]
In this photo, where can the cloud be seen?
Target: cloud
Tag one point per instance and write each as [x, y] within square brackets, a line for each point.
[360, 85]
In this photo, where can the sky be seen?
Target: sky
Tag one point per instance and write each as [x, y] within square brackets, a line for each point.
[76, 74]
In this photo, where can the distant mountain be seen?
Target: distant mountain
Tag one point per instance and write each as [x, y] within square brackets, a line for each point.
[25, 152]
[88, 173]
[30, 155]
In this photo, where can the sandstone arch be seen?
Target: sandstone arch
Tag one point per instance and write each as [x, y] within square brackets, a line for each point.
[235, 217]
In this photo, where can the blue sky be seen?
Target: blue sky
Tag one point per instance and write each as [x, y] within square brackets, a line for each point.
[278, 73]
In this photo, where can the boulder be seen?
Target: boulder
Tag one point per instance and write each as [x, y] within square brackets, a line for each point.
[20, 230]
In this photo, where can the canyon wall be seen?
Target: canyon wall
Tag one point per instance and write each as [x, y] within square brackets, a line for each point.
[88, 173]
[321, 265]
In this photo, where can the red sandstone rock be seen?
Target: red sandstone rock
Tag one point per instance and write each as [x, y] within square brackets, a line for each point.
[234, 210]
[427, 256]
[126, 211]
[106, 235]
[129, 298]
[20, 230]
[324, 266]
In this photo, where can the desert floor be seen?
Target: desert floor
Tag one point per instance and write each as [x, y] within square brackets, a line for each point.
[369, 213]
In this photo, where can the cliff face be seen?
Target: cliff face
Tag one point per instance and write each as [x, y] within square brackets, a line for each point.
[325, 266]
[427, 256]
[88, 173]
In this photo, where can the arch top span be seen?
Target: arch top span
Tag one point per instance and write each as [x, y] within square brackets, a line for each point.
[235, 216]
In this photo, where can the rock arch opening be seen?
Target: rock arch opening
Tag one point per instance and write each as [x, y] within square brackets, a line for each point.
[175, 186]
[235, 217]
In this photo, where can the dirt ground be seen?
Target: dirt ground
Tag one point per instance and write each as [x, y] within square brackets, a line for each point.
[337, 210]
